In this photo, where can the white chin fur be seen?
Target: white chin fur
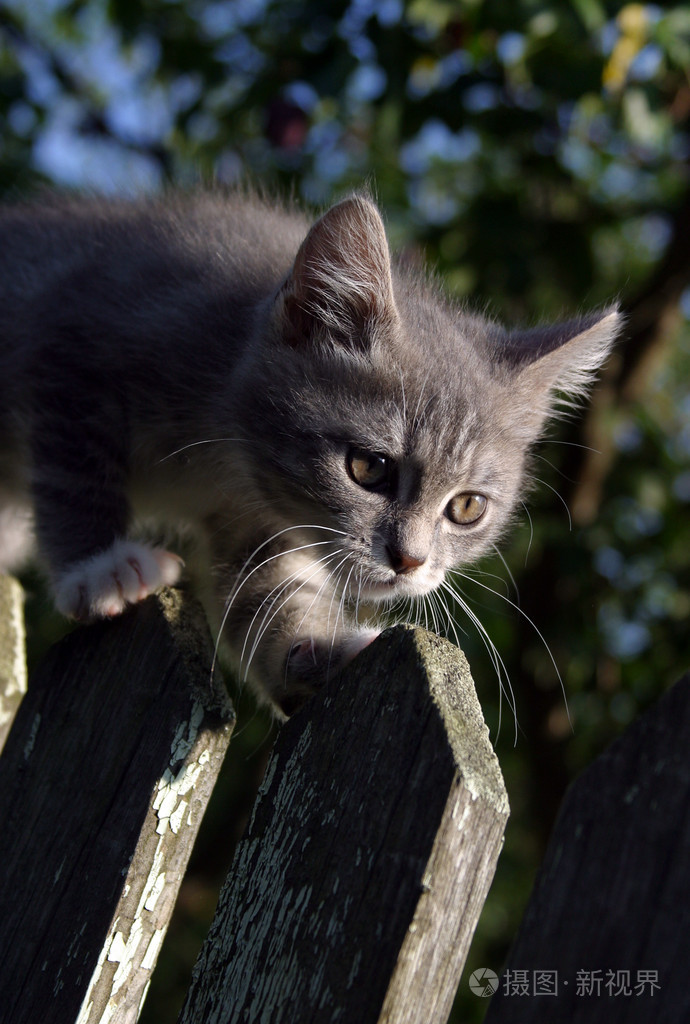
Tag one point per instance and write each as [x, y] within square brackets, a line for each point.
[398, 586]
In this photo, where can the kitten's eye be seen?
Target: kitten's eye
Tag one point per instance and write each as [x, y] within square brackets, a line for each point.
[466, 508]
[367, 469]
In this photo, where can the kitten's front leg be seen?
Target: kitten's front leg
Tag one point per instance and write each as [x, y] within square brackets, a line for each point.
[80, 462]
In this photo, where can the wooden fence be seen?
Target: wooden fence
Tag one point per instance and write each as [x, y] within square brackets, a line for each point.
[354, 893]
[356, 889]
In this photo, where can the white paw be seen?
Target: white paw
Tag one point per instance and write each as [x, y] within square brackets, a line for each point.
[308, 654]
[102, 586]
[357, 642]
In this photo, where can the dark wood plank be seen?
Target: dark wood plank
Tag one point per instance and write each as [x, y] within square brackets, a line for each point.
[613, 893]
[103, 781]
[355, 892]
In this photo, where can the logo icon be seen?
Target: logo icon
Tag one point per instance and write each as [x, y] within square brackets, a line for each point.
[483, 982]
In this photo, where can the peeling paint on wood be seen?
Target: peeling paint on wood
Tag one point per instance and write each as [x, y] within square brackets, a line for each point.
[108, 768]
[12, 652]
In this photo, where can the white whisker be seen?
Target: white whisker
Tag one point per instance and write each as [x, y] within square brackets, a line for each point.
[508, 570]
[536, 630]
[403, 398]
[333, 574]
[531, 531]
[505, 688]
[241, 580]
[210, 440]
[267, 621]
[560, 498]
[574, 444]
[279, 554]
[340, 612]
[278, 590]
[452, 624]
[415, 415]
[553, 466]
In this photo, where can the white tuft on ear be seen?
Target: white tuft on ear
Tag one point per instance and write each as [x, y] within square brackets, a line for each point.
[341, 278]
[554, 367]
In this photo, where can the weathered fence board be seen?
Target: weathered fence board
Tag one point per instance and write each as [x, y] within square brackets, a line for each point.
[103, 781]
[356, 889]
[12, 653]
[608, 922]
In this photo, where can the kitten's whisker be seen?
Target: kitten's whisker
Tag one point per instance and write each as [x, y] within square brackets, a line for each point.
[508, 570]
[415, 416]
[337, 592]
[505, 688]
[267, 604]
[452, 624]
[402, 395]
[438, 613]
[339, 613]
[553, 466]
[536, 630]
[428, 612]
[267, 621]
[331, 574]
[279, 554]
[458, 597]
[279, 589]
[475, 573]
[413, 610]
[240, 582]
[560, 498]
[531, 531]
[343, 594]
[359, 596]
[574, 444]
[495, 657]
[210, 440]
[433, 608]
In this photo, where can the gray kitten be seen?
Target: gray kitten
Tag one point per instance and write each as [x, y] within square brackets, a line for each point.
[333, 431]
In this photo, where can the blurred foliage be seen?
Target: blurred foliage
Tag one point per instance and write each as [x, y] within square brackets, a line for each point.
[537, 154]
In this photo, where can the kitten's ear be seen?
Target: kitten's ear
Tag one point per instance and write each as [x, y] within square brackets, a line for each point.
[556, 365]
[341, 279]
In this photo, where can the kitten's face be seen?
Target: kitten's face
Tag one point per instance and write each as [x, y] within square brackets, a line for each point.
[413, 481]
[393, 427]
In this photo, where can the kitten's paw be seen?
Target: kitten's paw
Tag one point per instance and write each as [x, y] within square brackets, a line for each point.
[357, 642]
[102, 586]
[315, 656]
[311, 661]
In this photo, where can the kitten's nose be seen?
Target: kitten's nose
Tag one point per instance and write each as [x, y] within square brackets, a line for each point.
[402, 562]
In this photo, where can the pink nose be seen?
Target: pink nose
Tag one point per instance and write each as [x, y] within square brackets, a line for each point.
[402, 562]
